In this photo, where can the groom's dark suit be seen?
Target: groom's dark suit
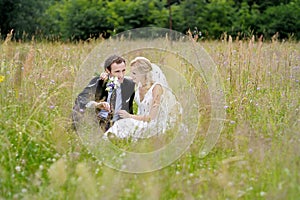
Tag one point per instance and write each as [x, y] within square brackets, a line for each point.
[95, 91]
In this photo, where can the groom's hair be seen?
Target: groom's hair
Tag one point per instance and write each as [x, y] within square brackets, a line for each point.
[113, 59]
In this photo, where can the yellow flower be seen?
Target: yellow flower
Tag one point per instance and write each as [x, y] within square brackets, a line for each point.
[2, 78]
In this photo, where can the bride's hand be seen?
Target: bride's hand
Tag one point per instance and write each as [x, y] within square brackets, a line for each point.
[124, 114]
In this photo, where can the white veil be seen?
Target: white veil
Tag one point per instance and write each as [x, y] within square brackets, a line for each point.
[158, 76]
[170, 109]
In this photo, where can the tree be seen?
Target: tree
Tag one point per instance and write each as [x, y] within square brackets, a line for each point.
[127, 14]
[245, 20]
[282, 19]
[217, 18]
[83, 19]
[187, 14]
[262, 4]
[22, 16]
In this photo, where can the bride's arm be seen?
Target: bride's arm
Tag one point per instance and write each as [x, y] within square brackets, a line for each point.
[156, 94]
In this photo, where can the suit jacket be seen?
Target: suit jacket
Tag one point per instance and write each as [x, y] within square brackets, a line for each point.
[95, 91]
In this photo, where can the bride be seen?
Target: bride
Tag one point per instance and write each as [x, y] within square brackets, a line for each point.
[158, 108]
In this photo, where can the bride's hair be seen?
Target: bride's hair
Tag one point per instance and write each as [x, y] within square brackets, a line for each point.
[144, 66]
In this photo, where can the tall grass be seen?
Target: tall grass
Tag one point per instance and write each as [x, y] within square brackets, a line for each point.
[256, 157]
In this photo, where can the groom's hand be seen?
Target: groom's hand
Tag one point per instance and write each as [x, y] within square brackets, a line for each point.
[103, 106]
[104, 76]
[123, 114]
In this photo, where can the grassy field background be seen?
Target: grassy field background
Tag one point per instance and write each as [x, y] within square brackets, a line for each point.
[256, 157]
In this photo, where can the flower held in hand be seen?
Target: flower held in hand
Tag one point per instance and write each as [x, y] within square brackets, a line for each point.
[113, 83]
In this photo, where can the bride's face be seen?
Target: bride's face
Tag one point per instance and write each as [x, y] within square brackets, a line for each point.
[137, 76]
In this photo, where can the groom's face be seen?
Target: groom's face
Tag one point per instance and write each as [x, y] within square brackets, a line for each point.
[118, 70]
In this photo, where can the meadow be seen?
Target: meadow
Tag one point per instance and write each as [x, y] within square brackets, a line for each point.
[257, 155]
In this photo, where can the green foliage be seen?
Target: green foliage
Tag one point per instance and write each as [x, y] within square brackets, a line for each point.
[218, 18]
[282, 19]
[84, 19]
[51, 21]
[188, 14]
[22, 16]
[245, 20]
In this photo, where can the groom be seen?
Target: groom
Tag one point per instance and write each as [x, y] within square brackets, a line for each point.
[99, 92]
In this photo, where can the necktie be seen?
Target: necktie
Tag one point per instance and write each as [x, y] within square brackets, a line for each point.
[112, 101]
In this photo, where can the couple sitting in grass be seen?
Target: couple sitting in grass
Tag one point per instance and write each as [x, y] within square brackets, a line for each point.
[112, 95]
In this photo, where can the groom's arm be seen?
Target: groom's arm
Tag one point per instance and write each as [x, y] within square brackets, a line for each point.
[87, 94]
[82, 99]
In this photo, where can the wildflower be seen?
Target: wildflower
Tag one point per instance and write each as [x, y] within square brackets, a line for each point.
[240, 193]
[250, 150]
[249, 188]
[18, 168]
[262, 193]
[24, 190]
[127, 190]
[2, 78]
[123, 154]
[123, 167]
[113, 83]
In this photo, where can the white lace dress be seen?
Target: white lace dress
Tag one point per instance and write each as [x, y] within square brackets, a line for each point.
[129, 127]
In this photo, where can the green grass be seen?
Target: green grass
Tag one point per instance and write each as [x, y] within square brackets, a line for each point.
[256, 157]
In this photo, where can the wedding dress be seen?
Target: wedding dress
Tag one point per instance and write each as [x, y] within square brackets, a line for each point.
[166, 117]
